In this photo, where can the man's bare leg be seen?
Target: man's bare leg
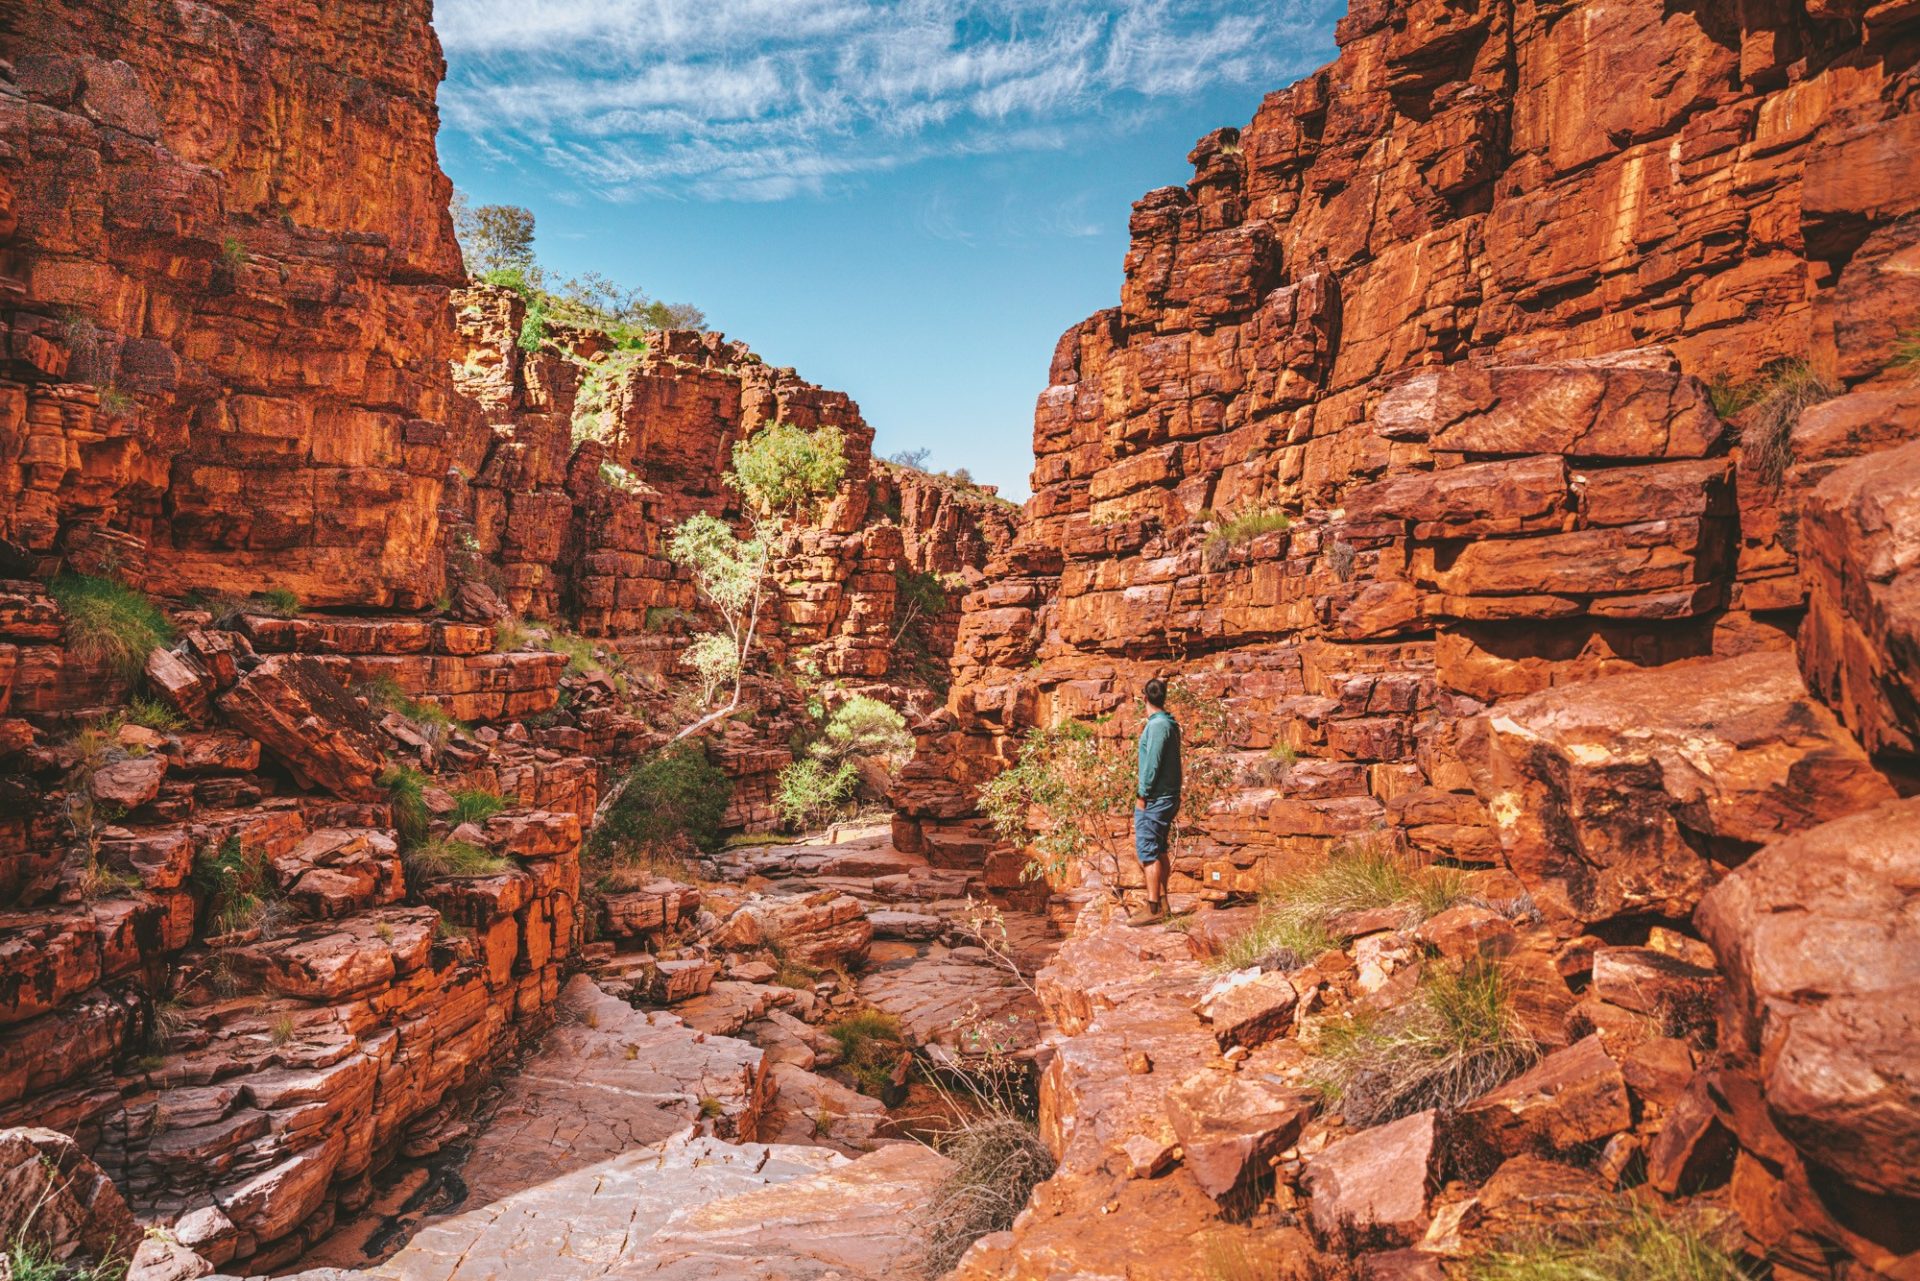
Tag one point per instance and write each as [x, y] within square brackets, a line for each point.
[1156, 874]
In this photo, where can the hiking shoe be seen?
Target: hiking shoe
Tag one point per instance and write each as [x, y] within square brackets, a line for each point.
[1148, 915]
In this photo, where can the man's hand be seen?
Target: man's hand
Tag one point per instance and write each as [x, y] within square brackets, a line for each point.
[1139, 802]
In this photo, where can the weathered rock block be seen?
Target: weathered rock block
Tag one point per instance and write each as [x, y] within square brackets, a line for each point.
[310, 723]
[1860, 558]
[1630, 794]
[1817, 934]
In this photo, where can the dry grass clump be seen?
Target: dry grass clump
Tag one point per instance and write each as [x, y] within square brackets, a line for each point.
[1624, 1239]
[998, 1160]
[1457, 1039]
[1769, 408]
[871, 1045]
[1229, 532]
[477, 805]
[1296, 917]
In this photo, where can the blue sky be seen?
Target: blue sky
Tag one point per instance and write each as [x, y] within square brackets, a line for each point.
[908, 201]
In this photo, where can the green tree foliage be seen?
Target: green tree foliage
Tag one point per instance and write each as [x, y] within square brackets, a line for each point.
[496, 243]
[811, 791]
[783, 471]
[495, 238]
[1064, 800]
[864, 726]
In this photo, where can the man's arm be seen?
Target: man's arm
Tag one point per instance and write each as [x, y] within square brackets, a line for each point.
[1153, 743]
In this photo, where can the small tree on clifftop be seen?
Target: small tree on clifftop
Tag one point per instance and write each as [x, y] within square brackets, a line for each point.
[782, 474]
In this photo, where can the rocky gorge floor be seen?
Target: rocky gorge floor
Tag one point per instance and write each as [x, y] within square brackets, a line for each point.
[680, 1120]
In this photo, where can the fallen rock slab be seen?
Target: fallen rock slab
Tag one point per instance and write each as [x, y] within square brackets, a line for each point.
[1819, 936]
[302, 715]
[1370, 1191]
[1627, 794]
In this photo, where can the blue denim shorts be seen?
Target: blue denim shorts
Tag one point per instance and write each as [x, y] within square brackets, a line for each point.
[1153, 827]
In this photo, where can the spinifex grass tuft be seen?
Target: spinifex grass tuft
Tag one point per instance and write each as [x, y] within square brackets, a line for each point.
[110, 621]
[1457, 1039]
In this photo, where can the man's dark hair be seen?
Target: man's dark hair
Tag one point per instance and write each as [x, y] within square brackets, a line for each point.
[1156, 692]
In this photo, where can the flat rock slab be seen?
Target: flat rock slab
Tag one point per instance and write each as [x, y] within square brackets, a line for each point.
[595, 1219]
[937, 998]
[853, 1220]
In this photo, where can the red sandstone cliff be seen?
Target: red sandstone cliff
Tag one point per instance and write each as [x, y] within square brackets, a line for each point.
[1453, 306]
[230, 363]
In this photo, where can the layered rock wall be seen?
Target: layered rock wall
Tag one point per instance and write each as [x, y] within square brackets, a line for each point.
[227, 255]
[1510, 425]
[1459, 309]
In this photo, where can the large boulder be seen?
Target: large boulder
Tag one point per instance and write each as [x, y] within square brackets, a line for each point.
[1860, 559]
[1819, 935]
[1626, 795]
[309, 722]
[54, 1197]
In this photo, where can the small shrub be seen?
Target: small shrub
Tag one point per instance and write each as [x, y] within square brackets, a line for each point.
[233, 253]
[864, 726]
[151, 713]
[511, 634]
[871, 1045]
[281, 1030]
[514, 278]
[533, 330]
[998, 1159]
[1455, 1041]
[406, 790]
[811, 790]
[784, 470]
[235, 891]
[438, 857]
[110, 621]
[1622, 1239]
[278, 602]
[1341, 557]
[114, 402]
[673, 793]
[476, 805]
[711, 1107]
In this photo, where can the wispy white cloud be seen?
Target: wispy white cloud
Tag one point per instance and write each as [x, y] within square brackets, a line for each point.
[771, 99]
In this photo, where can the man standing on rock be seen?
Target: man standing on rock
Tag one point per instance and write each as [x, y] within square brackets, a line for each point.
[1157, 799]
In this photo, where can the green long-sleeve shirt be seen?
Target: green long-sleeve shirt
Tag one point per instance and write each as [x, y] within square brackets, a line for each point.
[1159, 756]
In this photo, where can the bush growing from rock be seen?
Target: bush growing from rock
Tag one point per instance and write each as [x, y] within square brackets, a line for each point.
[871, 1047]
[406, 791]
[811, 790]
[674, 793]
[998, 1159]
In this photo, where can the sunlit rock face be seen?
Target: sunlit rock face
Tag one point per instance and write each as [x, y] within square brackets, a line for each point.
[1511, 424]
[229, 251]
[1476, 308]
